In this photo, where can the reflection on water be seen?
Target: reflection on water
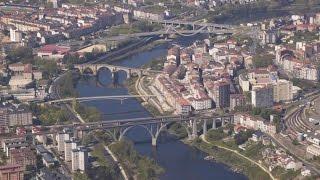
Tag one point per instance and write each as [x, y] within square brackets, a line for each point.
[179, 160]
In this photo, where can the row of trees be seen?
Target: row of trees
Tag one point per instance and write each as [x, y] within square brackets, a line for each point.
[106, 170]
[67, 86]
[88, 113]
[20, 54]
[263, 60]
[24, 55]
[71, 59]
[49, 115]
[144, 167]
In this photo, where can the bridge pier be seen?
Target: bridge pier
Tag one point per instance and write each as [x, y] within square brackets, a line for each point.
[129, 74]
[114, 76]
[154, 141]
[95, 71]
[205, 127]
[214, 125]
[194, 130]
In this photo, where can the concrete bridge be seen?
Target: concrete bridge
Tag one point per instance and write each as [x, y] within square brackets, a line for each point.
[192, 24]
[94, 69]
[96, 98]
[117, 129]
[172, 30]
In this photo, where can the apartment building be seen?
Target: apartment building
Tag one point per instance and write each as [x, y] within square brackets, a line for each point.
[262, 96]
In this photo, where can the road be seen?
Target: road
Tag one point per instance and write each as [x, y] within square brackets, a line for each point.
[241, 155]
[278, 140]
[141, 91]
[121, 51]
[295, 124]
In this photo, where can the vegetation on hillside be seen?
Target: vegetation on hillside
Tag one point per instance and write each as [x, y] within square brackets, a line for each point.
[67, 86]
[220, 155]
[50, 115]
[262, 60]
[88, 113]
[135, 27]
[106, 170]
[142, 167]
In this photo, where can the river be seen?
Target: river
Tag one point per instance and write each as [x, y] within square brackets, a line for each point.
[180, 161]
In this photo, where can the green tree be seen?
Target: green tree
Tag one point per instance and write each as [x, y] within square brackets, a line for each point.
[262, 61]
[80, 176]
[67, 86]
[50, 115]
[256, 111]
[48, 67]
[20, 54]
[215, 134]
[243, 136]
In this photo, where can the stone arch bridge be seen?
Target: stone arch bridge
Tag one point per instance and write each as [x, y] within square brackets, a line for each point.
[94, 68]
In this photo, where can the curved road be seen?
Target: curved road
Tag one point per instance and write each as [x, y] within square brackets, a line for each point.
[241, 155]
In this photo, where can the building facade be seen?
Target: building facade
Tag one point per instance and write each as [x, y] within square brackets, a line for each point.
[262, 96]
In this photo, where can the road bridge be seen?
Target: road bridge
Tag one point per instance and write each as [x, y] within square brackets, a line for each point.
[172, 30]
[117, 129]
[191, 23]
[94, 69]
[95, 98]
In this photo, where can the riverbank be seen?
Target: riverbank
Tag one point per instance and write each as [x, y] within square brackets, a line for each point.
[251, 171]
[149, 104]
[144, 47]
[236, 161]
[136, 166]
[179, 160]
[130, 164]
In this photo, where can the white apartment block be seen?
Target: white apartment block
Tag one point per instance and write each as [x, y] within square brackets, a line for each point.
[313, 150]
[67, 150]
[282, 90]
[79, 159]
[256, 123]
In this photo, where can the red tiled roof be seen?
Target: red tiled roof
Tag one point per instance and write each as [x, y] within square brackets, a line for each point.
[51, 48]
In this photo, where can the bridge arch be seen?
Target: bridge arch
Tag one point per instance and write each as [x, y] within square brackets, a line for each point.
[163, 126]
[103, 76]
[122, 133]
[114, 69]
[122, 73]
[186, 35]
[88, 70]
[100, 69]
[112, 133]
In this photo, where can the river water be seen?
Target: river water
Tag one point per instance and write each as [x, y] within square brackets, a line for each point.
[180, 161]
